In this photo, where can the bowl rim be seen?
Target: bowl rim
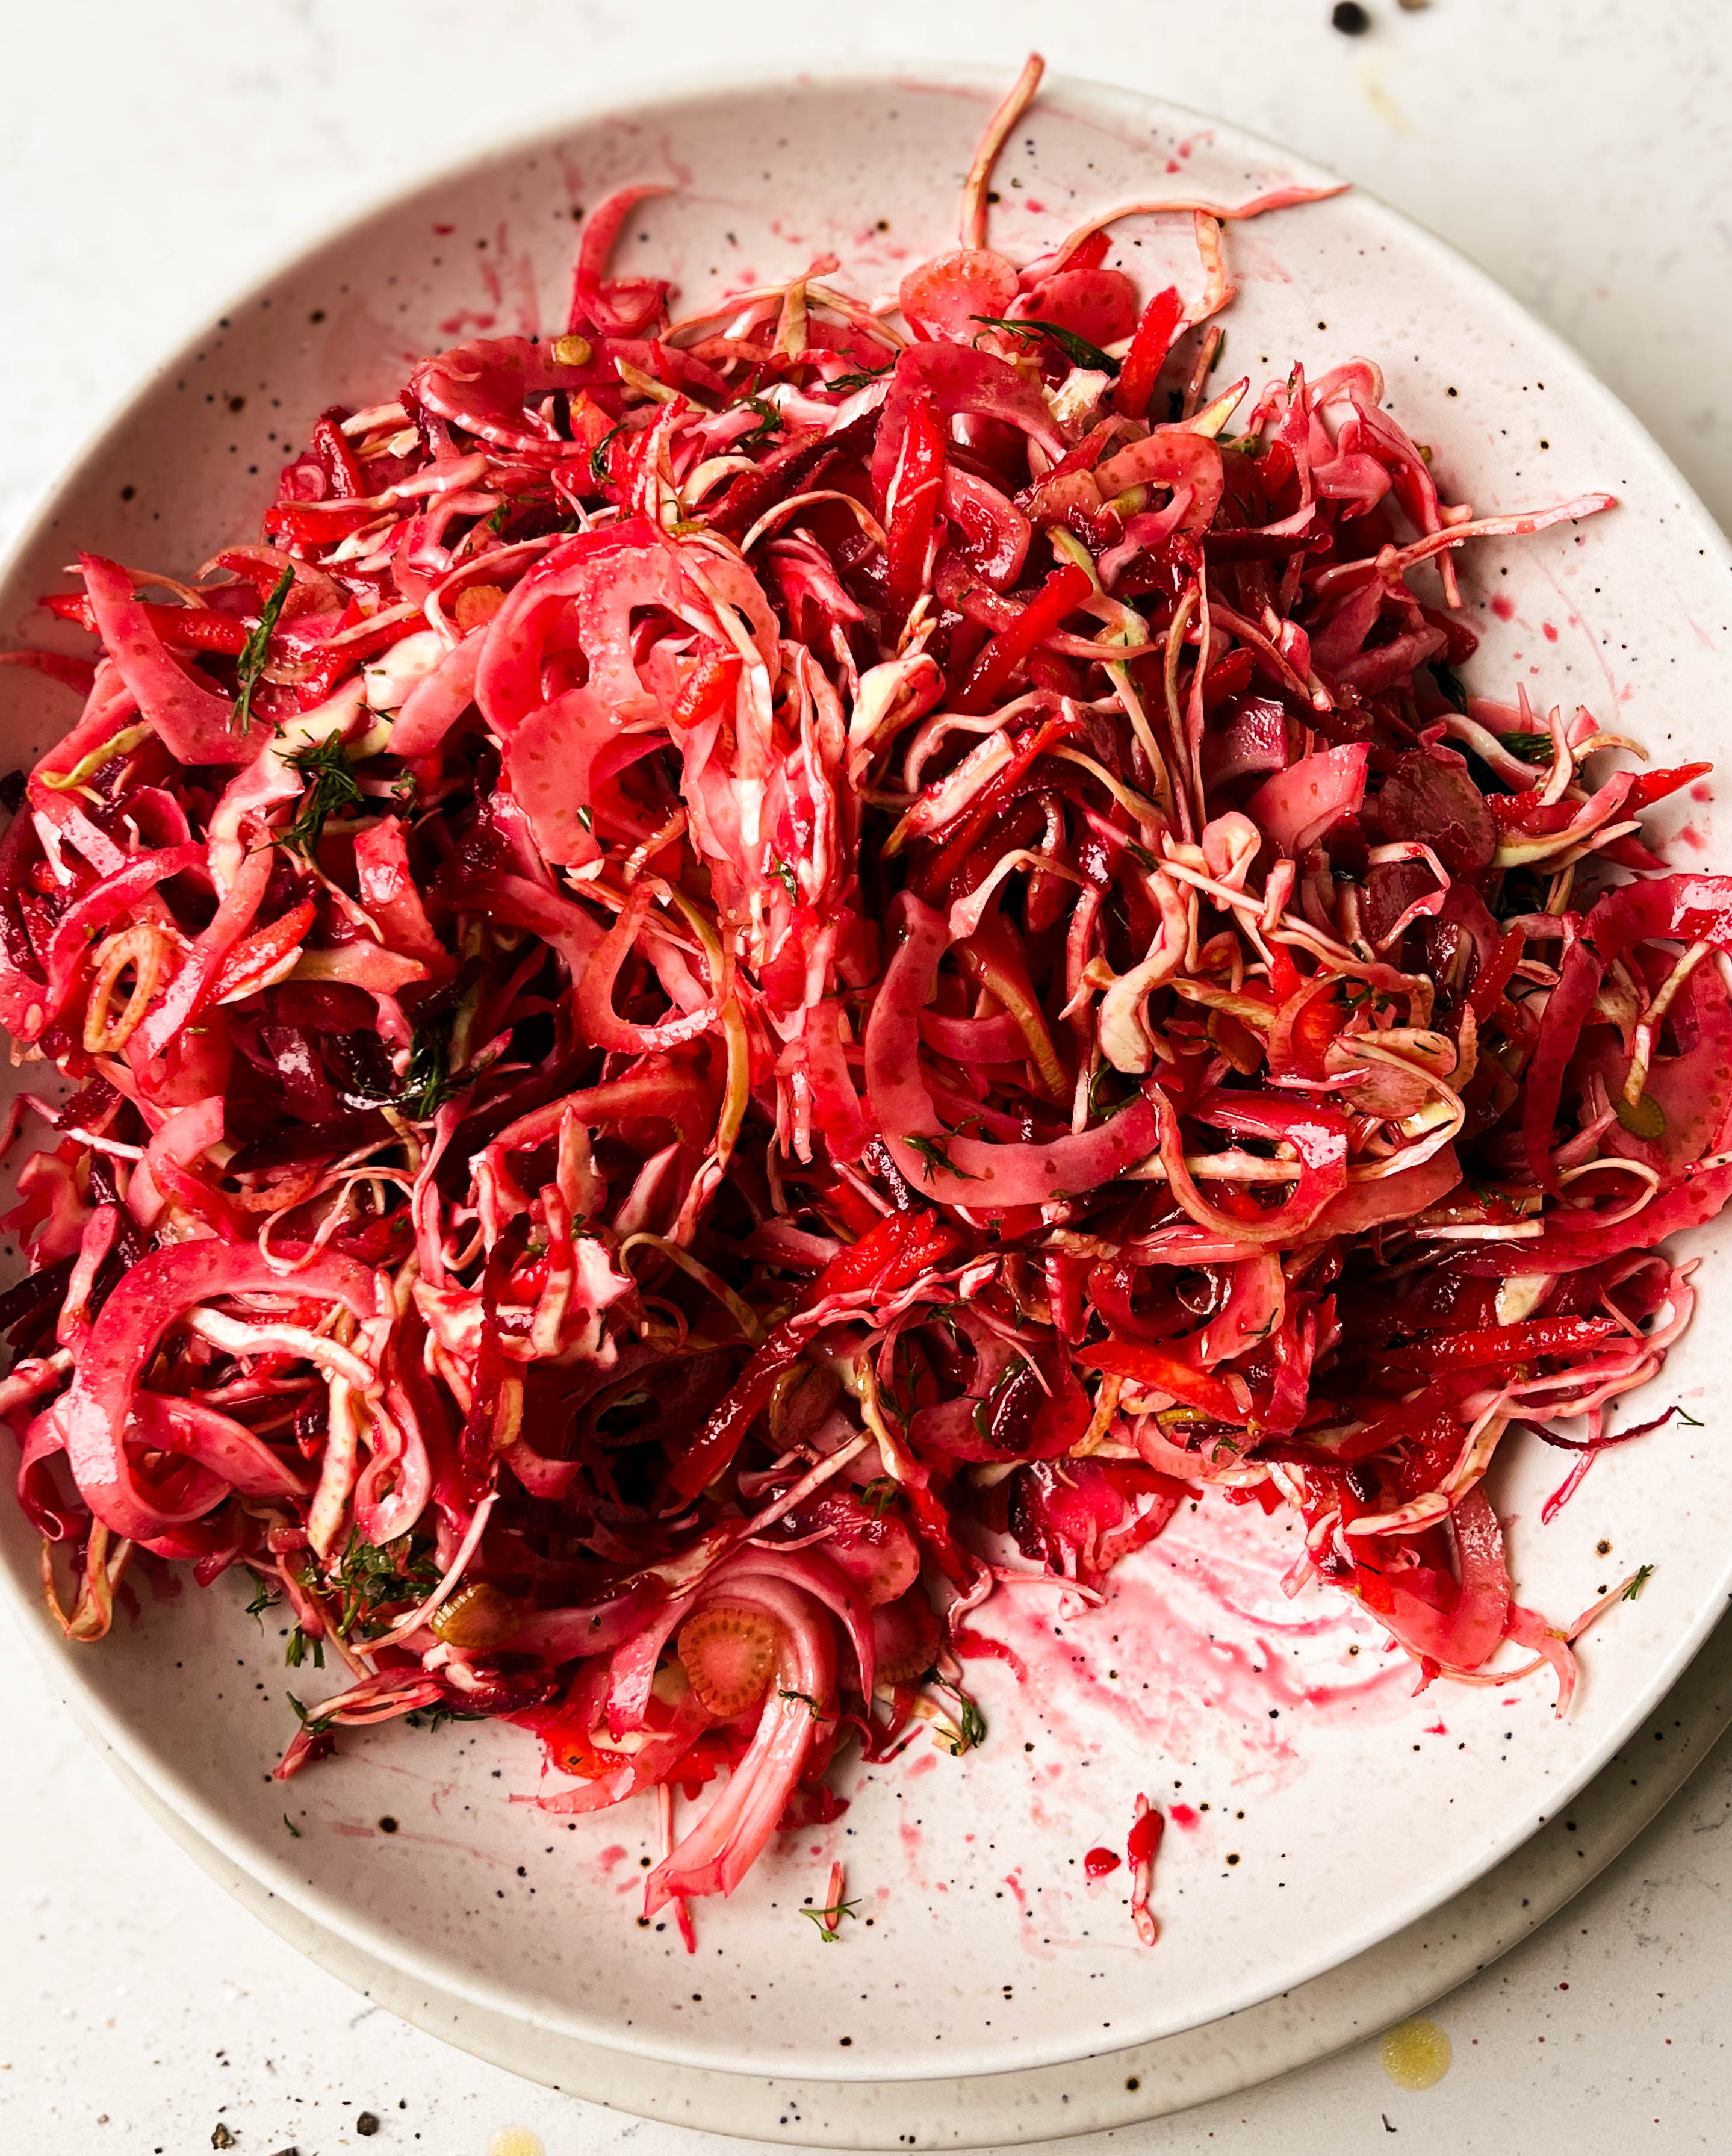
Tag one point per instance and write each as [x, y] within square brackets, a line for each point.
[663, 98]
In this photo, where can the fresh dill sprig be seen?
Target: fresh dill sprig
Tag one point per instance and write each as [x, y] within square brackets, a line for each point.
[333, 787]
[934, 1156]
[433, 1717]
[295, 1653]
[1077, 349]
[368, 1577]
[768, 423]
[254, 652]
[599, 455]
[428, 1083]
[986, 1408]
[968, 1730]
[310, 1718]
[862, 378]
[1098, 1103]
[878, 1495]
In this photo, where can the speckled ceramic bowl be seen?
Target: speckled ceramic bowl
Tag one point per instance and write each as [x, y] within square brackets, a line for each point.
[1316, 1808]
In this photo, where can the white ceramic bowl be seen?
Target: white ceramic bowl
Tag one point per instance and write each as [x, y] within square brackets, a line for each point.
[1317, 1808]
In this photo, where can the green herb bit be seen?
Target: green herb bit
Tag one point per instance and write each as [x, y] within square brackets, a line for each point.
[1638, 1583]
[312, 1719]
[814, 1707]
[430, 1717]
[1078, 349]
[326, 764]
[428, 1083]
[1531, 748]
[768, 423]
[1097, 1105]
[291, 1827]
[496, 522]
[598, 455]
[828, 1921]
[878, 1495]
[254, 652]
[933, 1156]
[264, 1597]
[369, 1578]
[862, 378]
[295, 1654]
[969, 1730]
[1690, 1420]
[785, 875]
[985, 1409]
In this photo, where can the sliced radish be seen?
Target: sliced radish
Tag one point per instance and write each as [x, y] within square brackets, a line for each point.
[945, 296]
[904, 1635]
[1100, 305]
[728, 1653]
[478, 1615]
[874, 1549]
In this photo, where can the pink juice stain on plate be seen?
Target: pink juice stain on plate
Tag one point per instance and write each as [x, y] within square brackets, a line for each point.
[1035, 1938]
[1196, 1648]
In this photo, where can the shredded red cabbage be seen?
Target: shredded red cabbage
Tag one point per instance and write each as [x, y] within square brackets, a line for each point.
[757, 966]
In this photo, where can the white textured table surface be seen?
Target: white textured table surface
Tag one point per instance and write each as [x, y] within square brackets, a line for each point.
[152, 161]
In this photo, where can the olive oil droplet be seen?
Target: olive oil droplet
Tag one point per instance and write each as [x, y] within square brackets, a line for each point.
[1415, 2056]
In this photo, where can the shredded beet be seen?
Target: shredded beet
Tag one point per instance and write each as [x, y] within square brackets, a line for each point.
[758, 970]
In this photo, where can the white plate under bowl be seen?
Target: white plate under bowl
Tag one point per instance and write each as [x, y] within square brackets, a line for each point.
[1317, 1808]
[1401, 1975]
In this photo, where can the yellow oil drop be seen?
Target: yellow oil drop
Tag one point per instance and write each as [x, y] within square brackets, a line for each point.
[1415, 2056]
[515, 2141]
